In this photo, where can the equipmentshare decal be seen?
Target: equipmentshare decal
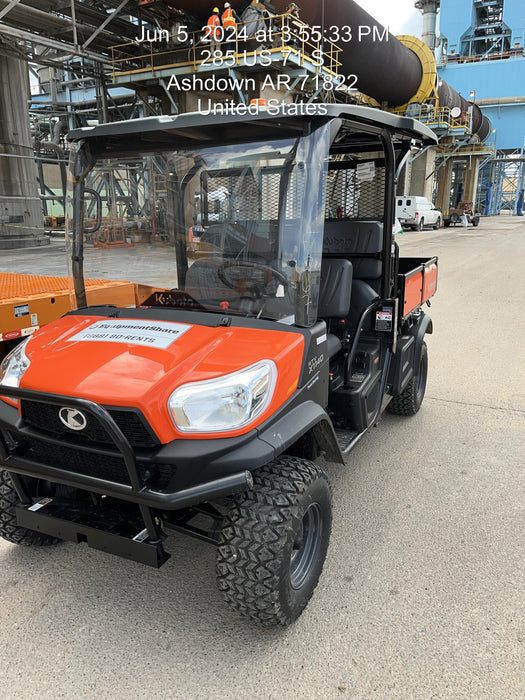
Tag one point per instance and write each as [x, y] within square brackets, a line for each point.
[157, 334]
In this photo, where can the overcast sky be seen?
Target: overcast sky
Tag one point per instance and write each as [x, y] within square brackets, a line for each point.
[400, 16]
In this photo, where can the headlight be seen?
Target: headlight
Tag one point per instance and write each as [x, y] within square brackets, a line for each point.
[225, 403]
[14, 365]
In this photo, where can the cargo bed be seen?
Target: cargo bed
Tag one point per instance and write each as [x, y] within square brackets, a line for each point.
[416, 282]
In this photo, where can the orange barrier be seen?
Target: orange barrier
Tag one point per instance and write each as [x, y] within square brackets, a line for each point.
[30, 301]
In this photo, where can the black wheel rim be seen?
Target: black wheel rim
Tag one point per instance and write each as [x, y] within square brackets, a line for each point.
[420, 380]
[305, 552]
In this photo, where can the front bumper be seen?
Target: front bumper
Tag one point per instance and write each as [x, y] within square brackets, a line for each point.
[198, 470]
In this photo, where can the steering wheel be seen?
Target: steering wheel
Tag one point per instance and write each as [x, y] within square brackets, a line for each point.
[251, 277]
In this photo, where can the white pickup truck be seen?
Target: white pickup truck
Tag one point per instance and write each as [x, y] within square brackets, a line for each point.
[417, 212]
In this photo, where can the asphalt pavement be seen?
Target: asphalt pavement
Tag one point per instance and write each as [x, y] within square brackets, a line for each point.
[422, 595]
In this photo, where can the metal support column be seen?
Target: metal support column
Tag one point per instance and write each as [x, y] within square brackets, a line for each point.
[21, 221]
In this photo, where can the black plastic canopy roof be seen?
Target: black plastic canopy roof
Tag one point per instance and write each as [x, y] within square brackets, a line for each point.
[194, 127]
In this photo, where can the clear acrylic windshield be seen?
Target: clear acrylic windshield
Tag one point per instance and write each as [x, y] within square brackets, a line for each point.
[234, 228]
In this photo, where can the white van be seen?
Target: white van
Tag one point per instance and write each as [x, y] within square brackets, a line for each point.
[417, 212]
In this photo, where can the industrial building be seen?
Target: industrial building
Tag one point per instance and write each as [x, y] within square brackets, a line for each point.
[482, 56]
[92, 61]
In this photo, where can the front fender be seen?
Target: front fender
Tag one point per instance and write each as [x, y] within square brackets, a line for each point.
[305, 419]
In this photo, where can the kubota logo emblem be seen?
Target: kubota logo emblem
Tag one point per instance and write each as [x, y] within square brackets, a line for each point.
[72, 418]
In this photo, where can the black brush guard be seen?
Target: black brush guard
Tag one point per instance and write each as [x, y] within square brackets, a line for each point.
[138, 538]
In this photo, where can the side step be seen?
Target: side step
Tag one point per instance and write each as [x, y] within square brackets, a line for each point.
[107, 531]
[347, 438]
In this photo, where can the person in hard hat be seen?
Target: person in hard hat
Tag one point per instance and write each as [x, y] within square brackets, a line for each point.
[230, 19]
[293, 10]
[290, 15]
[213, 32]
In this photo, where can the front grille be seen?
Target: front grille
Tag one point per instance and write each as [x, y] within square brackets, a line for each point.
[134, 426]
[80, 461]
[131, 422]
[97, 464]
[103, 460]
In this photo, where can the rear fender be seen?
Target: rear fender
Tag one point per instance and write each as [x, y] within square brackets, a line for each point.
[425, 326]
[406, 359]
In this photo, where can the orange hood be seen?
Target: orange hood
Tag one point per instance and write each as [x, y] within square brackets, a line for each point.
[139, 363]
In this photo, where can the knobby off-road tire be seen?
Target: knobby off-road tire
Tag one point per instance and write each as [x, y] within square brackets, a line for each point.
[9, 530]
[409, 403]
[273, 542]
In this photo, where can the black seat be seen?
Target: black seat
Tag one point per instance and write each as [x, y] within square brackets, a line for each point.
[334, 295]
[361, 241]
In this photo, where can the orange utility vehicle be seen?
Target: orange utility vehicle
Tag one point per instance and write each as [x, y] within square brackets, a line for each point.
[289, 324]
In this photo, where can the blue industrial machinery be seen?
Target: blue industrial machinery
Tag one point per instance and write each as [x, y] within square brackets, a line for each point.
[483, 57]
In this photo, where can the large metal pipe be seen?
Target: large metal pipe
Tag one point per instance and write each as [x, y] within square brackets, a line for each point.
[365, 56]
[387, 70]
[448, 97]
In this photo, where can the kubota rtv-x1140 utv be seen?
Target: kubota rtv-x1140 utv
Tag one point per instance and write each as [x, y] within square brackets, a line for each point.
[274, 322]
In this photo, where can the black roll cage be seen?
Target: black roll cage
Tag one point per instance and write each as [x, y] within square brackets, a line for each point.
[353, 130]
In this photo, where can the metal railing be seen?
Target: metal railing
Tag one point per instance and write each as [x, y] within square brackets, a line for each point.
[437, 118]
[501, 55]
[285, 40]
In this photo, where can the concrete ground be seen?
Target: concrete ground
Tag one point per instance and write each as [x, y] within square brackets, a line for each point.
[422, 595]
